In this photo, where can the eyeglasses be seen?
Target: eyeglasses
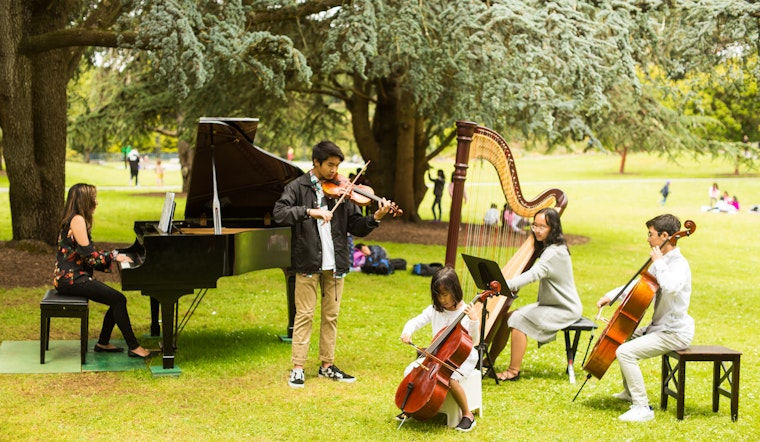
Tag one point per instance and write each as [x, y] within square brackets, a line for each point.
[538, 227]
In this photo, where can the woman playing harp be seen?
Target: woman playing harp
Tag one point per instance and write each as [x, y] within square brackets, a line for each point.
[517, 250]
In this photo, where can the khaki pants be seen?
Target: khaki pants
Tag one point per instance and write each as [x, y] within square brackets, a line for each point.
[306, 303]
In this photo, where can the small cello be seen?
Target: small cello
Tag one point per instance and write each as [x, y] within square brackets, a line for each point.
[422, 392]
[628, 315]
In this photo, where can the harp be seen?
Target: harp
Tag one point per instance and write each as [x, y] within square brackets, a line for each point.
[493, 178]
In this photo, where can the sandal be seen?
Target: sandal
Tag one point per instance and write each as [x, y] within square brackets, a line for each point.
[504, 376]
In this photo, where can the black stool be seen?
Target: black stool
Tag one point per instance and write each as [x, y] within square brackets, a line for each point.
[54, 305]
[583, 324]
[677, 374]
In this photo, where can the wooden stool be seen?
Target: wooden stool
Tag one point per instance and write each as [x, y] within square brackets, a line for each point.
[54, 305]
[715, 353]
[583, 324]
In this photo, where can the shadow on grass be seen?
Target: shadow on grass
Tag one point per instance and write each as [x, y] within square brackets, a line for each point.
[218, 347]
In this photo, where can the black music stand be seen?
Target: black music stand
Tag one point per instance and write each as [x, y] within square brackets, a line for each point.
[483, 272]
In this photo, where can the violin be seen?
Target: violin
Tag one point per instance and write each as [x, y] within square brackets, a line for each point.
[422, 392]
[361, 194]
[628, 315]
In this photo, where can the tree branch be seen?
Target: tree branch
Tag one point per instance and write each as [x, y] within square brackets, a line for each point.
[71, 37]
[291, 12]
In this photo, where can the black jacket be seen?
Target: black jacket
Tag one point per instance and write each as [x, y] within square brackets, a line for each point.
[306, 247]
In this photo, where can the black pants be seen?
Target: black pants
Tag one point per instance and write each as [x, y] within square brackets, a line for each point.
[117, 309]
[437, 203]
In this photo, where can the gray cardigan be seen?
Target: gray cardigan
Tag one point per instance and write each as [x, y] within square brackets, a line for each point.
[558, 303]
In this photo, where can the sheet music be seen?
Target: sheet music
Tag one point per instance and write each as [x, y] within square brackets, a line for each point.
[167, 214]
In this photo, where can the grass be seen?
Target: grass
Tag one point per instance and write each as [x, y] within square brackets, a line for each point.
[234, 366]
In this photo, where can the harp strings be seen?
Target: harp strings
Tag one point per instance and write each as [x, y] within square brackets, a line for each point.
[489, 182]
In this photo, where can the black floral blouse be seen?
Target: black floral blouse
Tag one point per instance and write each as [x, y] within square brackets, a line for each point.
[75, 263]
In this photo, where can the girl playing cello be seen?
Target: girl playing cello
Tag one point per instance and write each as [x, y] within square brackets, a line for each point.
[446, 294]
[671, 328]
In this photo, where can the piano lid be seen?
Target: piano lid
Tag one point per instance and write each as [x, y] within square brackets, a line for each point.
[249, 179]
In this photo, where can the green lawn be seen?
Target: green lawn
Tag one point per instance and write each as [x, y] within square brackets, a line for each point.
[234, 367]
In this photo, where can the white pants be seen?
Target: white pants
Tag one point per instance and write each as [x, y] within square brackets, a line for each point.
[644, 347]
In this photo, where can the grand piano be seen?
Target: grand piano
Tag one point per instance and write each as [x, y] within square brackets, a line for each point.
[227, 229]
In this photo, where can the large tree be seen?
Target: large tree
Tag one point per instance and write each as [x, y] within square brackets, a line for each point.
[42, 47]
[403, 70]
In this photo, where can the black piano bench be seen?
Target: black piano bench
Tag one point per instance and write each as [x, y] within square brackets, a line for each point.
[676, 374]
[54, 305]
[583, 324]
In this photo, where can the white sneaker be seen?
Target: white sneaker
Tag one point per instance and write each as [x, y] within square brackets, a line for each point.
[637, 413]
[296, 379]
[623, 396]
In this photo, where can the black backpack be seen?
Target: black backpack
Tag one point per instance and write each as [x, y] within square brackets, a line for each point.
[426, 269]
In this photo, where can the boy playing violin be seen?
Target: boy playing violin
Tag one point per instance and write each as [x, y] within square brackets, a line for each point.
[320, 256]
[671, 328]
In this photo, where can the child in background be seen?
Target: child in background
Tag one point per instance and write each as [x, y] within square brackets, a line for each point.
[491, 218]
[446, 294]
[159, 173]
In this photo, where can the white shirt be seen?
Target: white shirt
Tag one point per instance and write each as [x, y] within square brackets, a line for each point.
[440, 320]
[671, 302]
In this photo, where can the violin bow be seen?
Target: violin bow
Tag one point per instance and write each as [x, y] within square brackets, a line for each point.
[433, 357]
[350, 186]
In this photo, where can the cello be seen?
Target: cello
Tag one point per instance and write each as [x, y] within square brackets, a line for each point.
[628, 315]
[422, 392]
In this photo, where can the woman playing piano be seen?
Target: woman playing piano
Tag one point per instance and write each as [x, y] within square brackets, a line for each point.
[77, 258]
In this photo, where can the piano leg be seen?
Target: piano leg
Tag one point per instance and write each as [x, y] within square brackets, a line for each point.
[168, 304]
[155, 326]
[168, 310]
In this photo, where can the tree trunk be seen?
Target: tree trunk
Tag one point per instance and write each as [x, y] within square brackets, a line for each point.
[405, 156]
[421, 143]
[623, 156]
[34, 88]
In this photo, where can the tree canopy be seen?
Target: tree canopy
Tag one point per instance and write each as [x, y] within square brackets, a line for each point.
[396, 73]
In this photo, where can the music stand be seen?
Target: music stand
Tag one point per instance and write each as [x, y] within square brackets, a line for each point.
[483, 272]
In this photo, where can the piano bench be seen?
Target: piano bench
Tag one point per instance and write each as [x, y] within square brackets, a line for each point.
[54, 305]
[571, 348]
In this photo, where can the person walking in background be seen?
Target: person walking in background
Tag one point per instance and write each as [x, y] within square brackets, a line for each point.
[665, 191]
[134, 165]
[77, 258]
[714, 194]
[159, 173]
[320, 257]
[438, 183]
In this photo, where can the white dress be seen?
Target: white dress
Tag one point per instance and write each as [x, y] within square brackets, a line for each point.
[439, 321]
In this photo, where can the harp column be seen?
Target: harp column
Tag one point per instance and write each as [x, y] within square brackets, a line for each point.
[465, 131]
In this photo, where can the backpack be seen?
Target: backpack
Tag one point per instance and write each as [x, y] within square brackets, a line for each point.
[377, 262]
[426, 269]
[398, 264]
